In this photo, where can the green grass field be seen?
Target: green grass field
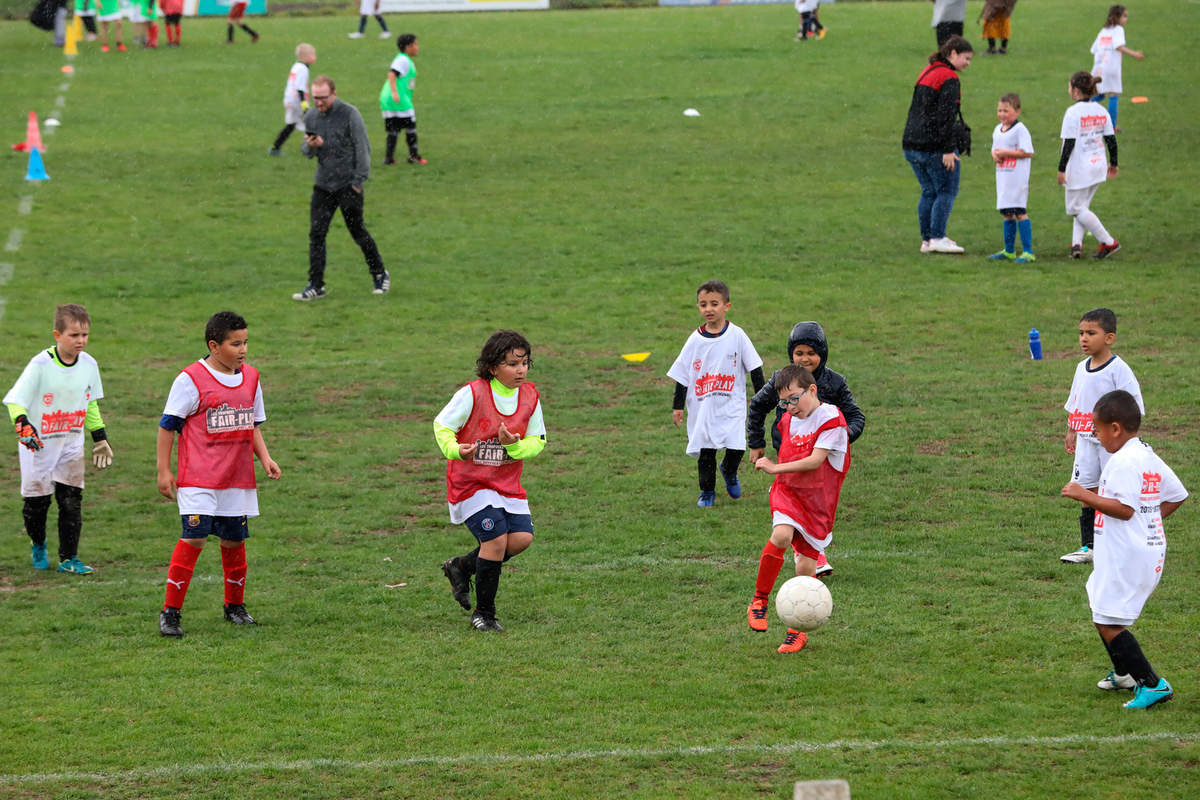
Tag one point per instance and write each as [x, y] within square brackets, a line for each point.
[567, 196]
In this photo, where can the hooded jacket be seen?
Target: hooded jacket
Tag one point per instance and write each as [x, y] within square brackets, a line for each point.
[831, 388]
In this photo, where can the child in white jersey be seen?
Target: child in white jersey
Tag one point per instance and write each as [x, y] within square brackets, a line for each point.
[814, 456]
[370, 8]
[1012, 149]
[710, 379]
[295, 96]
[486, 432]
[1137, 492]
[52, 404]
[1106, 57]
[1087, 131]
[1101, 372]
[215, 406]
[810, 25]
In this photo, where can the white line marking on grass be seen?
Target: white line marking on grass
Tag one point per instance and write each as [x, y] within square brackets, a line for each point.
[60, 101]
[14, 240]
[25, 205]
[178, 771]
[3, 305]
[62, 87]
[6, 272]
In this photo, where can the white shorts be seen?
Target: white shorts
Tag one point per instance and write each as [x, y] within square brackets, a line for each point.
[1078, 200]
[368, 7]
[293, 115]
[59, 461]
[1119, 587]
[1090, 458]
[780, 518]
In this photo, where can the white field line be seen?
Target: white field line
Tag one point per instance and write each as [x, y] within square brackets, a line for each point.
[180, 771]
[13, 244]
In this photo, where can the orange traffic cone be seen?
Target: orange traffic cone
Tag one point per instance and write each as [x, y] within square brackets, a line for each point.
[33, 136]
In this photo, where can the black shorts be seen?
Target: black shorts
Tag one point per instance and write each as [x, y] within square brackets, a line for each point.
[1013, 212]
[201, 526]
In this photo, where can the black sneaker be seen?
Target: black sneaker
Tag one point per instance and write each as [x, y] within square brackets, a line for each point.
[1076, 251]
[481, 623]
[168, 622]
[382, 281]
[238, 615]
[460, 582]
[310, 292]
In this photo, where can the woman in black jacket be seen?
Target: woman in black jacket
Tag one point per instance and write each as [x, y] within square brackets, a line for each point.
[929, 141]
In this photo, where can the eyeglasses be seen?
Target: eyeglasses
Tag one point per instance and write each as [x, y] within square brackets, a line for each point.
[321, 96]
[787, 402]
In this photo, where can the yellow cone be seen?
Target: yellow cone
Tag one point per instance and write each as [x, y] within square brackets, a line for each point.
[71, 48]
[636, 358]
[77, 27]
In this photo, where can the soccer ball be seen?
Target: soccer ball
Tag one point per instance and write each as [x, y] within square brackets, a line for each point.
[803, 603]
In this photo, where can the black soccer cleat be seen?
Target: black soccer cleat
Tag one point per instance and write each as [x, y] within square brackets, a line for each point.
[168, 623]
[460, 582]
[238, 615]
[481, 623]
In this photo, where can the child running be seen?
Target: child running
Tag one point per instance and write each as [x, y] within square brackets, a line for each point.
[215, 407]
[813, 460]
[295, 96]
[1012, 149]
[710, 379]
[1106, 57]
[1137, 492]
[1086, 131]
[57, 395]
[370, 8]
[396, 100]
[809, 348]
[1099, 373]
[487, 431]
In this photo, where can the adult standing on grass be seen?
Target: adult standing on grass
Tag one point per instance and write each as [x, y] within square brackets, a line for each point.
[337, 137]
[948, 18]
[930, 145]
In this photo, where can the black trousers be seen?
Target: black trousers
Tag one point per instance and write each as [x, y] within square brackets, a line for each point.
[324, 203]
[947, 29]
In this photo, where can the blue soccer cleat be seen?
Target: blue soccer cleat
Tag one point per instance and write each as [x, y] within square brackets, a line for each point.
[40, 559]
[1145, 696]
[75, 567]
[732, 485]
[706, 499]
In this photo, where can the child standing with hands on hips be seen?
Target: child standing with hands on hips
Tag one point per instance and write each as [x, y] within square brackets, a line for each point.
[1012, 148]
[487, 431]
[1137, 492]
[1106, 56]
[1086, 132]
[710, 380]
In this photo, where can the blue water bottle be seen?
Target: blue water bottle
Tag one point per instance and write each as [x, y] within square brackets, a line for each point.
[1035, 345]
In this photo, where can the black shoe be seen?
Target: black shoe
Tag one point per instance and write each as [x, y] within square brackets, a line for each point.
[481, 623]
[168, 622]
[460, 582]
[238, 615]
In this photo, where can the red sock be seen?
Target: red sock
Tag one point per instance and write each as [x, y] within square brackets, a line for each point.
[233, 560]
[769, 564]
[179, 573]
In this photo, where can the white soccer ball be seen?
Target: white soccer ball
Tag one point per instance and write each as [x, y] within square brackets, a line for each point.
[803, 603]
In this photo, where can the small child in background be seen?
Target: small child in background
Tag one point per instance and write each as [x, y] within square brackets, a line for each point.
[1012, 149]
[367, 8]
[110, 11]
[710, 379]
[172, 11]
[1086, 131]
[1106, 57]
[86, 11]
[814, 457]
[396, 100]
[144, 14]
[237, 15]
[1137, 492]
[810, 25]
[295, 96]
[996, 16]
[1101, 372]
[57, 395]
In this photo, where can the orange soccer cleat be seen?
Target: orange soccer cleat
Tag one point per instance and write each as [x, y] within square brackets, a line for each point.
[794, 641]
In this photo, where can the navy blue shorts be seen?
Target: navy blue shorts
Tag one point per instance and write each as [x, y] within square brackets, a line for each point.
[1012, 212]
[201, 526]
[491, 522]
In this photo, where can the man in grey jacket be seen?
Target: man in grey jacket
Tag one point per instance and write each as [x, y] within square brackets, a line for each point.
[336, 135]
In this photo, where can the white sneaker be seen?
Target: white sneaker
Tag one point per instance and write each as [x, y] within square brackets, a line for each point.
[385, 34]
[356, 35]
[1081, 556]
[925, 248]
[1113, 682]
[944, 245]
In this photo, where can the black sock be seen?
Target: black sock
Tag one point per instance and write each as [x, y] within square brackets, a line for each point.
[391, 145]
[731, 462]
[468, 562]
[1004, 44]
[70, 519]
[34, 512]
[382, 24]
[487, 582]
[229, 33]
[1087, 526]
[706, 465]
[283, 135]
[1127, 651]
[991, 44]
[1118, 660]
[249, 30]
[362, 23]
[410, 137]
[90, 24]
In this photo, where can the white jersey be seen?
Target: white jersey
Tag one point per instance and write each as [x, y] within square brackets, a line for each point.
[297, 83]
[714, 369]
[1087, 123]
[1130, 553]
[55, 398]
[1106, 58]
[1012, 174]
[1089, 385]
[368, 7]
[453, 416]
[806, 6]
[182, 402]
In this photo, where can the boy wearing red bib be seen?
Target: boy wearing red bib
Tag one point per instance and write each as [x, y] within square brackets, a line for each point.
[814, 456]
[215, 406]
[1137, 492]
[486, 432]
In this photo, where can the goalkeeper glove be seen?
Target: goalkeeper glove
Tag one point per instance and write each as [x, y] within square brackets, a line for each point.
[304, 105]
[27, 434]
[102, 454]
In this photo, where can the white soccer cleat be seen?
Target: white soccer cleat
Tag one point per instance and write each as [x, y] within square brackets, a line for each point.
[356, 35]
[385, 34]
